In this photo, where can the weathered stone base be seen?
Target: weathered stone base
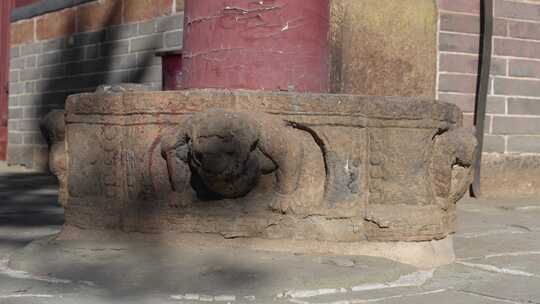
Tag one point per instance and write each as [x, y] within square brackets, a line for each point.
[266, 165]
[510, 175]
[424, 255]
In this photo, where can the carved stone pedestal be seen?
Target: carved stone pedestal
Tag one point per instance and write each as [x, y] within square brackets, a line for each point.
[270, 166]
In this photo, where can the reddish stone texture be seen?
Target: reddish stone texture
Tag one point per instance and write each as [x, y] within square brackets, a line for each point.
[57, 24]
[138, 10]
[22, 32]
[99, 15]
[463, 6]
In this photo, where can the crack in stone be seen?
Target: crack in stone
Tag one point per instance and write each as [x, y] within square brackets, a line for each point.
[517, 253]
[491, 268]
[527, 229]
[19, 274]
[485, 296]
[414, 279]
[528, 208]
[26, 296]
[473, 235]
[372, 300]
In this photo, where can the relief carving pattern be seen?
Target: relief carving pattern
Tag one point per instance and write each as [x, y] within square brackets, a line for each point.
[222, 154]
[269, 165]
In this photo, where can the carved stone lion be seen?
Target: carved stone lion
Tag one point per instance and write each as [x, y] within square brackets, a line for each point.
[224, 154]
[53, 127]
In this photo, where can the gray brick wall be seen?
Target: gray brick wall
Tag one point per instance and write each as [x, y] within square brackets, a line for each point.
[513, 114]
[43, 74]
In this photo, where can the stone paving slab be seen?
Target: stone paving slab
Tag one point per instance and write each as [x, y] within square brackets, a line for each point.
[496, 243]
[526, 263]
[482, 217]
[515, 289]
[443, 297]
[497, 248]
[139, 268]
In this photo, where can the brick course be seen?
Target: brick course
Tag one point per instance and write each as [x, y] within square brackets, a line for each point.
[517, 87]
[463, 6]
[57, 24]
[522, 106]
[138, 10]
[517, 48]
[76, 49]
[513, 109]
[455, 42]
[524, 144]
[22, 32]
[525, 30]
[517, 10]
[524, 68]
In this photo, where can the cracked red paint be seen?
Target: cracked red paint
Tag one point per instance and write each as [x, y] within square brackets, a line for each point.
[263, 45]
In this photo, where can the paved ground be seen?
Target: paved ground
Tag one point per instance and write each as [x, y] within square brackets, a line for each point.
[497, 246]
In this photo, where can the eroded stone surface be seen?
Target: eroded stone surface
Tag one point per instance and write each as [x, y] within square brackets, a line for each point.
[54, 129]
[266, 165]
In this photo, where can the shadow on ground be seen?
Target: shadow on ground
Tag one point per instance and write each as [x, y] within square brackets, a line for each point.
[29, 199]
[31, 217]
[497, 247]
[110, 270]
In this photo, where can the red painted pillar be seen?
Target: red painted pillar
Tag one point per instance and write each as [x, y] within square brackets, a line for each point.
[261, 45]
[5, 12]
